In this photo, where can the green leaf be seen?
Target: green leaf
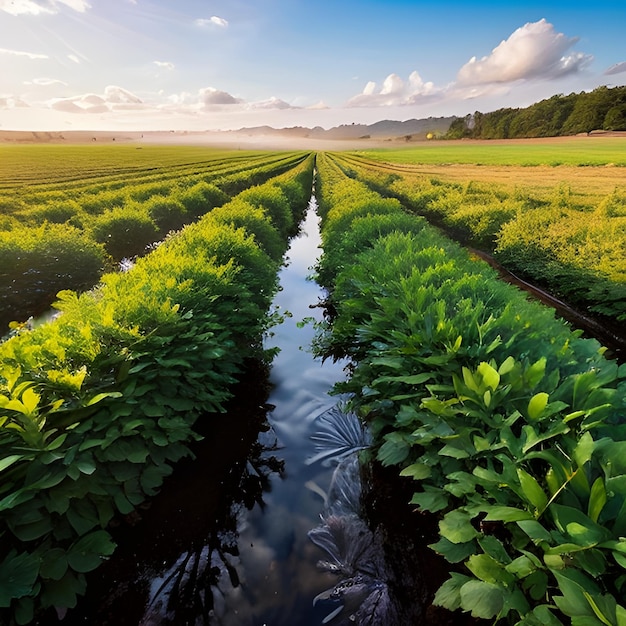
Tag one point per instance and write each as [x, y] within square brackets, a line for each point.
[431, 499]
[537, 404]
[54, 564]
[535, 531]
[449, 594]
[9, 460]
[394, 450]
[490, 376]
[521, 567]
[18, 573]
[456, 526]
[484, 600]
[488, 569]
[63, 593]
[577, 526]
[584, 449]
[453, 552]
[506, 514]
[532, 490]
[87, 553]
[417, 471]
[597, 499]
[415, 379]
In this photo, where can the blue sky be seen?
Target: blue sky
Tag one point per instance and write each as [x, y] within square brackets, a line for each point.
[223, 64]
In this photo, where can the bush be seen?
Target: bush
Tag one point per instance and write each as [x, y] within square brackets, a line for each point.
[201, 198]
[124, 232]
[36, 263]
[167, 212]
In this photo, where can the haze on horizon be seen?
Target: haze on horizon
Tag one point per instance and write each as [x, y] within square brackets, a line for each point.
[225, 64]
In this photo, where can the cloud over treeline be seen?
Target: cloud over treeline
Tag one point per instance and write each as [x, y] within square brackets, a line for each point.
[534, 50]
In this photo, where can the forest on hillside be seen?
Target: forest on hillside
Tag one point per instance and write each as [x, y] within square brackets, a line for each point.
[603, 108]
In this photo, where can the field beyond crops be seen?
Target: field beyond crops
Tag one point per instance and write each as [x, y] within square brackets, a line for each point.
[591, 166]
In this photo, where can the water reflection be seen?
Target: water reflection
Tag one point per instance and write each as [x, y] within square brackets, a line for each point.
[194, 588]
[354, 553]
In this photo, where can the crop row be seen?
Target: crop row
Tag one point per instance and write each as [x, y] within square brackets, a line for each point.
[67, 243]
[97, 405]
[574, 248]
[510, 425]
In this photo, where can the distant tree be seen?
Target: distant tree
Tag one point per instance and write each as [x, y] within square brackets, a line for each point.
[615, 118]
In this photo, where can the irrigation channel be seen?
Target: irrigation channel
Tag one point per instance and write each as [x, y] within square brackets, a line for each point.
[263, 527]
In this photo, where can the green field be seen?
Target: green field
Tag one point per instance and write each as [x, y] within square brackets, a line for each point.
[579, 151]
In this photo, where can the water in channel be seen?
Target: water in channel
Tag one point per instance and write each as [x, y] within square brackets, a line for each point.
[276, 560]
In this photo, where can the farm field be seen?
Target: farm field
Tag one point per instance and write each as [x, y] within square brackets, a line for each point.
[552, 151]
[480, 403]
[70, 213]
[563, 227]
[97, 405]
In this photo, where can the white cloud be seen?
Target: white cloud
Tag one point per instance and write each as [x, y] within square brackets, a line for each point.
[534, 50]
[210, 96]
[20, 53]
[74, 58]
[318, 106]
[114, 98]
[12, 102]
[618, 68]
[166, 65]
[396, 92]
[41, 7]
[213, 21]
[119, 95]
[271, 103]
[45, 82]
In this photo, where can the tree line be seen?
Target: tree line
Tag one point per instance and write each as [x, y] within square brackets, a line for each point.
[603, 108]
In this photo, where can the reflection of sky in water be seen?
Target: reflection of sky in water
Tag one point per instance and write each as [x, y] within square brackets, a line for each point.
[277, 560]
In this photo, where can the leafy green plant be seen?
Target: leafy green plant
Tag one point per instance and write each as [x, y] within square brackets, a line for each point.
[509, 425]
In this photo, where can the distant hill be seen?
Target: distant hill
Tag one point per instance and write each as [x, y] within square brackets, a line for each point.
[603, 108]
[386, 129]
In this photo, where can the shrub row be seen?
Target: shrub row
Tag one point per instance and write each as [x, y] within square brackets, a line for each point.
[97, 406]
[576, 251]
[510, 425]
[68, 244]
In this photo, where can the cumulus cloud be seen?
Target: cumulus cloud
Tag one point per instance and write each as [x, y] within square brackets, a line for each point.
[212, 21]
[41, 7]
[534, 50]
[394, 91]
[166, 65]
[618, 68]
[21, 53]
[209, 96]
[114, 98]
[271, 103]
[318, 106]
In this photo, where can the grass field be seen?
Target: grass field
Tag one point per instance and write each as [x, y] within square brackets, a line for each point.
[590, 167]
[578, 151]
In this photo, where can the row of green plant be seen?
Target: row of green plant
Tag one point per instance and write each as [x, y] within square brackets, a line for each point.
[68, 244]
[511, 426]
[575, 250]
[97, 405]
[79, 165]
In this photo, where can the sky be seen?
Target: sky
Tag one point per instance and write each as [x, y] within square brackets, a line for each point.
[228, 64]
